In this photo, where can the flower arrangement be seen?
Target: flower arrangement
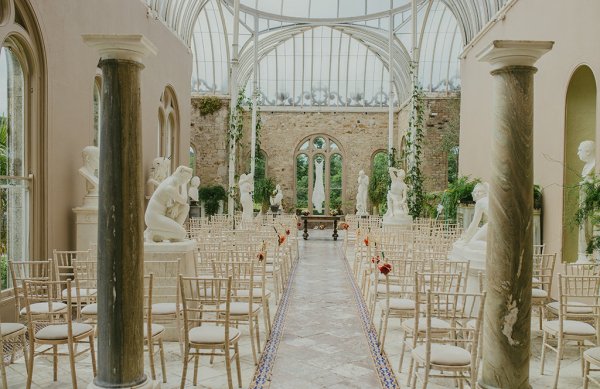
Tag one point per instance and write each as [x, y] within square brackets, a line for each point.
[299, 225]
[287, 231]
[281, 239]
[343, 226]
[385, 268]
[262, 253]
[366, 240]
[376, 259]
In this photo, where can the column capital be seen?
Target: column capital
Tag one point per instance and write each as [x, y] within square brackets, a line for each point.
[502, 53]
[128, 47]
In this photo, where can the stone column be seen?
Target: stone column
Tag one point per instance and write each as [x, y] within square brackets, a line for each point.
[121, 214]
[507, 322]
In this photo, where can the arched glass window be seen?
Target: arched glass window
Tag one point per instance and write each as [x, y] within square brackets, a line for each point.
[319, 174]
[168, 127]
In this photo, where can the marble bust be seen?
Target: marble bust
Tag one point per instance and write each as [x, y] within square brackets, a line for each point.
[473, 242]
[246, 186]
[168, 208]
[193, 190]
[361, 195]
[158, 173]
[397, 206]
[89, 171]
[275, 200]
[587, 154]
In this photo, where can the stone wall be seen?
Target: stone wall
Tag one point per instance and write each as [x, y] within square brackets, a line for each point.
[359, 135]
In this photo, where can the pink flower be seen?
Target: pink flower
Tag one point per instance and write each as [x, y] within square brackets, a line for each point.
[385, 268]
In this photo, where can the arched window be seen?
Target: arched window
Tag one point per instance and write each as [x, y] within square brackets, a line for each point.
[168, 127]
[319, 174]
[97, 108]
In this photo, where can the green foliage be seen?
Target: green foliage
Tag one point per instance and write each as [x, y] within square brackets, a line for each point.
[208, 105]
[3, 271]
[236, 120]
[537, 197]
[263, 190]
[589, 210]
[414, 176]
[380, 180]
[211, 195]
[335, 182]
[458, 191]
[430, 204]
[302, 181]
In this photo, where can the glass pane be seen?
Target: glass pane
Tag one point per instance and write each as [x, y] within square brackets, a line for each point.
[305, 146]
[318, 194]
[96, 113]
[302, 181]
[319, 143]
[335, 182]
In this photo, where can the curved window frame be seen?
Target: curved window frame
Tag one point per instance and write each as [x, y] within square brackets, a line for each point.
[168, 127]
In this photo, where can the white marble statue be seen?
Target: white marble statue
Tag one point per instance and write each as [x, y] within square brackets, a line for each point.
[397, 197]
[587, 154]
[277, 196]
[158, 173]
[193, 190]
[361, 195]
[246, 186]
[318, 194]
[168, 208]
[89, 171]
[472, 243]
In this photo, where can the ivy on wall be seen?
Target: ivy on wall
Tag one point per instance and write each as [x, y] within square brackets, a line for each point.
[207, 105]
[414, 142]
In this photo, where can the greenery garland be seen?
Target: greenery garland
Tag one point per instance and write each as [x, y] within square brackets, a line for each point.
[416, 196]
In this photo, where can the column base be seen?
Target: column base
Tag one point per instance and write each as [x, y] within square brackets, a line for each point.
[148, 384]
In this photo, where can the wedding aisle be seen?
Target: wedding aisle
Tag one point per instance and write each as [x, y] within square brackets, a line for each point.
[322, 336]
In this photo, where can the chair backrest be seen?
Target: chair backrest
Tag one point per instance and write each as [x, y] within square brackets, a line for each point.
[439, 282]
[543, 271]
[539, 249]
[582, 269]
[20, 271]
[205, 300]
[45, 292]
[86, 282]
[63, 263]
[575, 291]
[165, 281]
[242, 278]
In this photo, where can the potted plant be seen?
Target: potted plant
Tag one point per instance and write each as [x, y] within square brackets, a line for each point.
[458, 192]
[212, 198]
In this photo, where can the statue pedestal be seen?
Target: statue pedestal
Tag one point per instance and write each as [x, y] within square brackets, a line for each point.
[86, 225]
[476, 259]
[397, 220]
[171, 251]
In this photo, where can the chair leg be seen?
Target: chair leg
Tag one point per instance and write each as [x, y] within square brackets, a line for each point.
[252, 339]
[402, 340]
[30, 362]
[2, 367]
[237, 364]
[425, 377]
[25, 353]
[267, 317]
[196, 362]
[557, 366]
[586, 372]
[542, 357]
[93, 354]
[257, 330]
[162, 360]
[150, 343]
[55, 362]
[228, 367]
[384, 330]
[186, 354]
[72, 362]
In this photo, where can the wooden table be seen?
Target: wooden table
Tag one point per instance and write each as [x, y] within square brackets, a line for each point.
[319, 218]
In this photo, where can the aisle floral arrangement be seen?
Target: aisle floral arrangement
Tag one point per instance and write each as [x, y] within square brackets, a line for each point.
[343, 226]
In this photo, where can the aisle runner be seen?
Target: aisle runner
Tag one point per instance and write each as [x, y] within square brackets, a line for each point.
[328, 339]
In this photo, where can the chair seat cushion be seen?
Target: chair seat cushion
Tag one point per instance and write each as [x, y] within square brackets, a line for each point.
[402, 304]
[240, 308]
[445, 355]
[593, 354]
[538, 293]
[90, 309]
[570, 327]
[60, 331]
[211, 334]
[437, 325]
[156, 329]
[572, 307]
[393, 288]
[165, 308]
[256, 293]
[39, 308]
[10, 328]
[83, 292]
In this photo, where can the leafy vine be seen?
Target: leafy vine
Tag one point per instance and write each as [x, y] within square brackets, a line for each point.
[416, 196]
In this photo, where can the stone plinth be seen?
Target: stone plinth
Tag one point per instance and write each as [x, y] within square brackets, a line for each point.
[86, 222]
[397, 220]
[168, 251]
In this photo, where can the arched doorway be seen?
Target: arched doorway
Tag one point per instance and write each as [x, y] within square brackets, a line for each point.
[580, 125]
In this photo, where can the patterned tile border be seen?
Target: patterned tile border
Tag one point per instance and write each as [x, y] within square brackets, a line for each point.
[262, 375]
[382, 364]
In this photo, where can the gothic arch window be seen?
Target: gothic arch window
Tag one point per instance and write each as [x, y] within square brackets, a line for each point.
[23, 229]
[319, 174]
[168, 127]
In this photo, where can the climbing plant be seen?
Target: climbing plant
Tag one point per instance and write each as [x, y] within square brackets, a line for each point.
[208, 105]
[414, 142]
[236, 120]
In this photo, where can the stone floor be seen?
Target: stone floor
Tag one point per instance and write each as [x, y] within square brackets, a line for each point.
[322, 344]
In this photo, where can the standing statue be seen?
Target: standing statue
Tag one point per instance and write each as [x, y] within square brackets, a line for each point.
[587, 154]
[473, 242]
[276, 198]
[397, 197]
[318, 194]
[168, 208]
[89, 171]
[361, 195]
[246, 185]
[193, 190]
[158, 173]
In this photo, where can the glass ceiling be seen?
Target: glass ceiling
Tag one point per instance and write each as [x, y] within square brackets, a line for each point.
[326, 52]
